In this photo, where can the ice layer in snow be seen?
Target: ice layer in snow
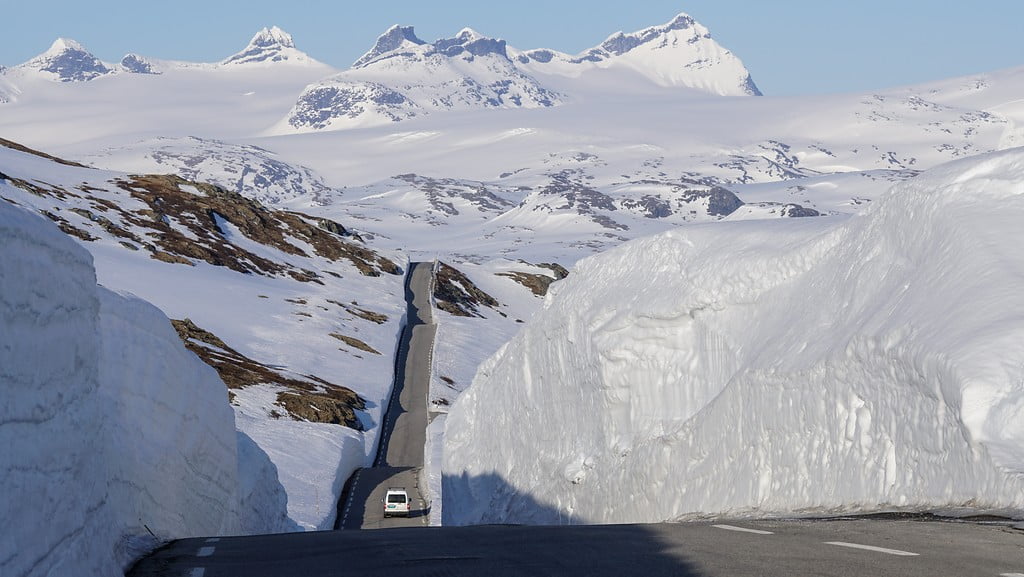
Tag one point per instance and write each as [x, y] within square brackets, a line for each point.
[774, 367]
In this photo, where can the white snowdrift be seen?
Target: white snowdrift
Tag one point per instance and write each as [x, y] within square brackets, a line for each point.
[111, 429]
[796, 366]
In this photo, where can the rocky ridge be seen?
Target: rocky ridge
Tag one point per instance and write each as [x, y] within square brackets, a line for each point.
[403, 77]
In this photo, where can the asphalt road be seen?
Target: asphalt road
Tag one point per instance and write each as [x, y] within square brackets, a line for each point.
[848, 548]
[403, 430]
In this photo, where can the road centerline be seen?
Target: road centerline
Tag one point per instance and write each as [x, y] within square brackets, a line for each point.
[743, 529]
[896, 552]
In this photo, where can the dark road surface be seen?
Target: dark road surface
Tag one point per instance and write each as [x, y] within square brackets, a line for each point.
[403, 431]
[862, 548]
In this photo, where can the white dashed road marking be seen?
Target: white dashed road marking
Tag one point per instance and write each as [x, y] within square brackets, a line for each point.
[205, 551]
[742, 529]
[197, 572]
[213, 540]
[348, 505]
[871, 548]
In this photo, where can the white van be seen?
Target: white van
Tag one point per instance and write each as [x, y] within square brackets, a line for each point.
[396, 502]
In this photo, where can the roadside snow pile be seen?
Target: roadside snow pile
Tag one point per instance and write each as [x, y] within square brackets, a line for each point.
[799, 366]
[110, 427]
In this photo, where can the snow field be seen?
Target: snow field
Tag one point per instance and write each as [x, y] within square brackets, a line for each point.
[766, 368]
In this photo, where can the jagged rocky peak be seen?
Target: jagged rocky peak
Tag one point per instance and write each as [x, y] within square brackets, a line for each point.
[397, 38]
[471, 42]
[402, 41]
[68, 61]
[620, 43]
[138, 65]
[270, 45]
[272, 37]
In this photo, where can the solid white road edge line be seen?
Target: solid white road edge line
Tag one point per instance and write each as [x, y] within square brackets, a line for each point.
[206, 551]
[1012, 575]
[872, 548]
[742, 529]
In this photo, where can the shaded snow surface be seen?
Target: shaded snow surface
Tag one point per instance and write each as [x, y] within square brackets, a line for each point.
[110, 427]
[799, 366]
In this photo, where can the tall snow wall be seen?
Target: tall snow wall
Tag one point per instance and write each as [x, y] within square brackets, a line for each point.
[110, 428]
[799, 366]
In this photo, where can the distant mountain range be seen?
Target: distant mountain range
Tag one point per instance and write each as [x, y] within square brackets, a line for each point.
[403, 77]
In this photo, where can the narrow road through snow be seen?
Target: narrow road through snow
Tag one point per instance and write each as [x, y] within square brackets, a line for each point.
[733, 548]
[403, 428]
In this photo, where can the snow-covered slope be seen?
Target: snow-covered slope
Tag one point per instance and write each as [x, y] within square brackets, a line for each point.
[802, 366]
[402, 77]
[680, 53]
[300, 317]
[111, 429]
[8, 91]
[254, 172]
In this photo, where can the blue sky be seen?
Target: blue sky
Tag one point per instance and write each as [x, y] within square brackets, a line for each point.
[790, 46]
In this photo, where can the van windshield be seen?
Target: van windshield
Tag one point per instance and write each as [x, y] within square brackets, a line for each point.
[396, 498]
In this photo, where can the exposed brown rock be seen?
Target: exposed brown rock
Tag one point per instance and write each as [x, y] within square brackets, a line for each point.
[456, 294]
[355, 343]
[333, 403]
[199, 213]
[21, 148]
[537, 283]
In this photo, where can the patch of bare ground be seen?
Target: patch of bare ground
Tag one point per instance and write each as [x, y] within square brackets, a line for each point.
[68, 228]
[456, 294]
[538, 283]
[200, 213]
[367, 315]
[308, 398]
[355, 343]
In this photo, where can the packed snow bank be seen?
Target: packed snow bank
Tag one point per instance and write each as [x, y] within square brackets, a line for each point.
[169, 430]
[808, 365]
[111, 428]
[53, 466]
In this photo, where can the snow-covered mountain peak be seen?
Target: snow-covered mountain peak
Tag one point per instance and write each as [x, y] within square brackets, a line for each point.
[469, 34]
[62, 45]
[396, 38]
[270, 45]
[273, 36]
[67, 61]
[680, 53]
[621, 43]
